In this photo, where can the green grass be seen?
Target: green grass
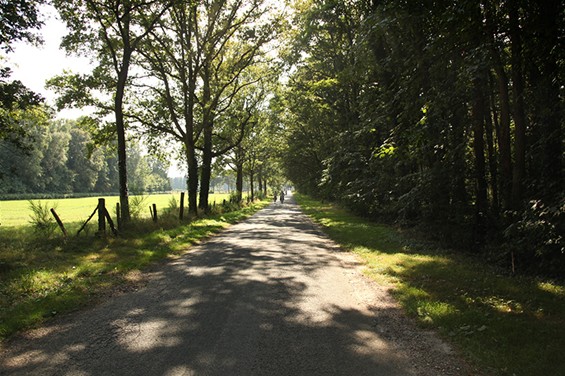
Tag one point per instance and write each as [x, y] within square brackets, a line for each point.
[505, 325]
[17, 212]
[42, 277]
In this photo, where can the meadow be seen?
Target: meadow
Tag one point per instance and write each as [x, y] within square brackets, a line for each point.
[14, 213]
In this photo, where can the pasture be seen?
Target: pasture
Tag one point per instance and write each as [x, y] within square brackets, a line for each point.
[15, 213]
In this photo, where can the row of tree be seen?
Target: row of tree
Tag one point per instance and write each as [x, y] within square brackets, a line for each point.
[178, 72]
[56, 156]
[442, 113]
[189, 72]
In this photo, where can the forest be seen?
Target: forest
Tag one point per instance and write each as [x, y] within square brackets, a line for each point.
[59, 157]
[445, 116]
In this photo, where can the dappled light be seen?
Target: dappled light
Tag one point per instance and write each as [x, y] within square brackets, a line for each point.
[441, 121]
[269, 296]
[473, 305]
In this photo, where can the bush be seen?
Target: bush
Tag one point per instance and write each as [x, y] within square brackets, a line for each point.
[136, 205]
[536, 237]
[234, 197]
[41, 218]
[173, 207]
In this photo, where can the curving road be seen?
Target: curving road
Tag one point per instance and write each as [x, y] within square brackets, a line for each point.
[269, 296]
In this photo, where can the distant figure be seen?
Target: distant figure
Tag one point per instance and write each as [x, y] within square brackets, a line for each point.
[275, 198]
[282, 197]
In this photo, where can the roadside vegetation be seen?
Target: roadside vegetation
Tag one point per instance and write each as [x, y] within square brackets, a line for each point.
[43, 275]
[507, 325]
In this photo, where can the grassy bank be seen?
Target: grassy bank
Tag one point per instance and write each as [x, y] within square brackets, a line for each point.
[506, 325]
[15, 213]
[40, 277]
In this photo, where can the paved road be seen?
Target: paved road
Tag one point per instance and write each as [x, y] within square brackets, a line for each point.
[269, 296]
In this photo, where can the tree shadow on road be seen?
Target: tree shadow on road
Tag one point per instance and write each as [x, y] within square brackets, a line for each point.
[230, 307]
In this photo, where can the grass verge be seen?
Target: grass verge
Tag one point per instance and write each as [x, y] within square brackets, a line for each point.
[43, 277]
[505, 325]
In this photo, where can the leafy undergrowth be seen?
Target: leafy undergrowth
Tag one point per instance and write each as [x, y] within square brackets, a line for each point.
[42, 277]
[505, 325]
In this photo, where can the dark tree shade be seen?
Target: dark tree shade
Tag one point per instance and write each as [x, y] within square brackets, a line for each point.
[448, 115]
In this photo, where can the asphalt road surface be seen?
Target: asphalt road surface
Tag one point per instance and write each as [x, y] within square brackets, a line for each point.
[269, 296]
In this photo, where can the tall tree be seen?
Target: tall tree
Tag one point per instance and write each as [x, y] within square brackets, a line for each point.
[232, 46]
[519, 115]
[202, 57]
[19, 19]
[113, 30]
[21, 169]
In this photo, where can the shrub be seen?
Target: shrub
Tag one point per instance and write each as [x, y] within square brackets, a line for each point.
[536, 237]
[136, 205]
[41, 218]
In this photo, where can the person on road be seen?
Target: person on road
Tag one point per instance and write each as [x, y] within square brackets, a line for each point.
[282, 197]
[275, 198]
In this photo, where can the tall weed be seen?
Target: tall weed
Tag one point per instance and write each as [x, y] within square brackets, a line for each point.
[136, 205]
[41, 219]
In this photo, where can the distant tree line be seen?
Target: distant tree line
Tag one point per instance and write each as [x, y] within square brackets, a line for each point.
[442, 114]
[59, 156]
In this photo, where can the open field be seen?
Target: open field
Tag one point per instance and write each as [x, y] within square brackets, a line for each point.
[509, 325]
[17, 212]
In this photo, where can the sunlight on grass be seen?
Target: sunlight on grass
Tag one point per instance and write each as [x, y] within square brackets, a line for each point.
[17, 212]
[511, 325]
[40, 278]
[558, 291]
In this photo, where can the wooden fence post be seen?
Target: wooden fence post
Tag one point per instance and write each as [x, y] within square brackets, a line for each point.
[154, 213]
[111, 223]
[101, 216]
[118, 218]
[181, 209]
[59, 222]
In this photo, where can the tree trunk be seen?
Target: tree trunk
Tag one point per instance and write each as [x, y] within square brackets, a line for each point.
[189, 89]
[192, 182]
[251, 185]
[121, 135]
[548, 109]
[239, 181]
[504, 145]
[479, 151]
[504, 142]
[492, 160]
[207, 126]
[519, 113]
[206, 170]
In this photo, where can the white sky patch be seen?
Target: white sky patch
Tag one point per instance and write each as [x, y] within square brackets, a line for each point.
[33, 65]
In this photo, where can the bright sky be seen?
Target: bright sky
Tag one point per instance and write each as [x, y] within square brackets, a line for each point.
[34, 65]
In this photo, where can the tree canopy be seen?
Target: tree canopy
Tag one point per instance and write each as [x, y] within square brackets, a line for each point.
[446, 115]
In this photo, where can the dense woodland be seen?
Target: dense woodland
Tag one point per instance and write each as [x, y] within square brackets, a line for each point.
[444, 115]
